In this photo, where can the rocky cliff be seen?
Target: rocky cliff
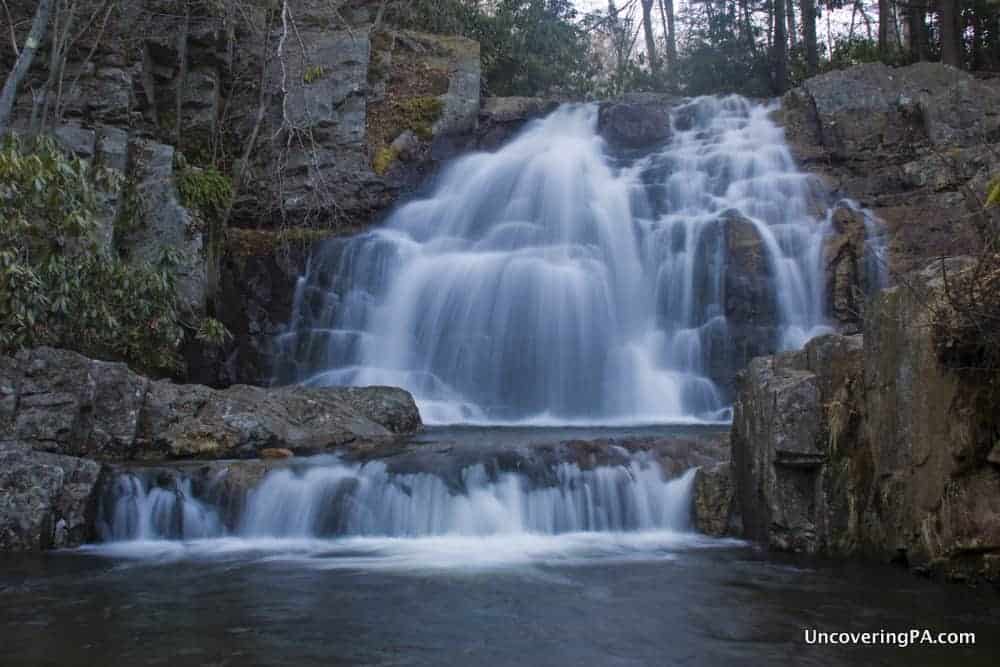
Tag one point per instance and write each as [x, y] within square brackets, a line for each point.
[322, 116]
[868, 445]
[916, 145]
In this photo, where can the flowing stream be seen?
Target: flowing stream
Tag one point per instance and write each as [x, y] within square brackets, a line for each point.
[553, 282]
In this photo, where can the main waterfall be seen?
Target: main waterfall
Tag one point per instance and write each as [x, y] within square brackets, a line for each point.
[552, 282]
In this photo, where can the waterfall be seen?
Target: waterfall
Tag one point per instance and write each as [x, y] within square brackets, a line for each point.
[553, 282]
[326, 498]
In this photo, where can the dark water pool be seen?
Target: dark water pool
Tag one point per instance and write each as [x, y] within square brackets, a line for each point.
[694, 605]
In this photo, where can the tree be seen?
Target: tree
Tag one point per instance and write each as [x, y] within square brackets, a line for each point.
[809, 35]
[667, 15]
[951, 34]
[39, 25]
[780, 47]
[793, 33]
[884, 19]
[916, 15]
[647, 26]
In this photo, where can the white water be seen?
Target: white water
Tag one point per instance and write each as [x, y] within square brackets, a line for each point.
[342, 515]
[548, 283]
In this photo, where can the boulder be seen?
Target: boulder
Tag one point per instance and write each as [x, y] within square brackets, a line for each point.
[45, 499]
[636, 121]
[61, 402]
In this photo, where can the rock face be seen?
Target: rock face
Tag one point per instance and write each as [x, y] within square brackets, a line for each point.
[60, 402]
[917, 145]
[871, 447]
[45, 499]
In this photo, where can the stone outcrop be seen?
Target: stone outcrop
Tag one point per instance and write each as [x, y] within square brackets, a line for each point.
[869, 446]
[916, 145]
[61, 402]
[45, 499]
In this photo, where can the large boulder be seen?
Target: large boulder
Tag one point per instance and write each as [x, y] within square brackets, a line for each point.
[45, 499]
[61, 402]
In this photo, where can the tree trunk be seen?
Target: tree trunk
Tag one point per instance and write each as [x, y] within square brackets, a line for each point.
[793, 34]
[951, 34]
[916, 14]
[35, 36]
[647, 26]
[780, 47]
[667, 14]
[809, 35]
[884, 16]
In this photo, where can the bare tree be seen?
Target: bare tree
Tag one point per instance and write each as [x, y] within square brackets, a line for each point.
[647, 26]
[35, 36]
[667, 16]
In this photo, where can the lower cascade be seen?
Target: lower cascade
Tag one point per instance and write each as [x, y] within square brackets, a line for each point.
[553, 281]
[326, 498]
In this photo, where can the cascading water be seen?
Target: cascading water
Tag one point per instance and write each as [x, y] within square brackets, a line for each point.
[326, 498]
[350, 515]
[548, 282]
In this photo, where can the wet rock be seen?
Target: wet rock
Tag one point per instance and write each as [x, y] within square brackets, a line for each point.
[45, 499]
[62, 402]
[276, 453]
[636, 121]
[714, 491]
[500, 118]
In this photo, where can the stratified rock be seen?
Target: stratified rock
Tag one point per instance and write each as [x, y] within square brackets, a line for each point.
[59, 401]
[636, 121]
[45, 499]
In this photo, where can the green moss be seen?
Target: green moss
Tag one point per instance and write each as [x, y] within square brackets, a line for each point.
[206, 190]
[417, 114]
[384, 157]
[314, 73]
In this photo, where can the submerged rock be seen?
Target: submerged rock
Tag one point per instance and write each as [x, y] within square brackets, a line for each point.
[61, 402]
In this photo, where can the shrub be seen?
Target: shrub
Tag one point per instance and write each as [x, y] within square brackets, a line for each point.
[58, 285]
